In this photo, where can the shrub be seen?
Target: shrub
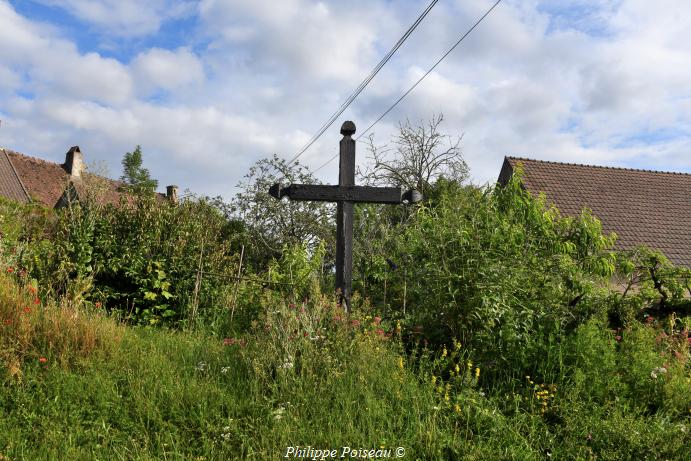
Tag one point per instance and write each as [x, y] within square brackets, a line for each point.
[502, 272]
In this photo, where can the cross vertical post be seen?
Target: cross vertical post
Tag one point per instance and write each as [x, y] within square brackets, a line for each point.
[344, 217]
[345, 194]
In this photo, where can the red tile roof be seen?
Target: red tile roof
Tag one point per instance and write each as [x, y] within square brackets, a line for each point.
[44, 181]
[23, 177]
[643, 207]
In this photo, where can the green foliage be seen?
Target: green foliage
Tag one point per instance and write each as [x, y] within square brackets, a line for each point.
[157, 262]
[134, 175]
[271, 224]
[502, 272]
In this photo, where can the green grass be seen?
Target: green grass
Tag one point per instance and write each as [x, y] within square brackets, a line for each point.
[309, 379]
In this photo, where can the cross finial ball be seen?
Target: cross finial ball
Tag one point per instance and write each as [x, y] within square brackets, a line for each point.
[348, 128]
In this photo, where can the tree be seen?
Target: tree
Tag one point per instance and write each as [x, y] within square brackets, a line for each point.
[273, 224]
[422, 155]
[135, 176]
[424, 159]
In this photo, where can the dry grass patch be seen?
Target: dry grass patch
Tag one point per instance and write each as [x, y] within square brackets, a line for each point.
[60, 332]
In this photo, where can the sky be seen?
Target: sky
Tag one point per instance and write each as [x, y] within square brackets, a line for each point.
[208, 87]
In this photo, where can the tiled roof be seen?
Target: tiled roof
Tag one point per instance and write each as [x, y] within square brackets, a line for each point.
[25, 178]
[645, 207]
[44, 181]
[10, 184]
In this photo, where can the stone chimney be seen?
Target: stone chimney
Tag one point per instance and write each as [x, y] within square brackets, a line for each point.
[74, 162]
[172, 193]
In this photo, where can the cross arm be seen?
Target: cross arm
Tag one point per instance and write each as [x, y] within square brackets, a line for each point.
[360, 194]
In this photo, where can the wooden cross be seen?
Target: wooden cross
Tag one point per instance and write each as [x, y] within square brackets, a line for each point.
[345, 194]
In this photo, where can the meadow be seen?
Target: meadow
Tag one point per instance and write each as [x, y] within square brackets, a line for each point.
[508, 337]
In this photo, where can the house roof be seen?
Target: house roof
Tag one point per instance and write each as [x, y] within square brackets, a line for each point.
[24, 178]
[643, 207]
[44, 181]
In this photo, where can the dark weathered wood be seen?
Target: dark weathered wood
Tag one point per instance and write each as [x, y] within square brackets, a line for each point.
[344, 216]
[345, 194]
[360, 194]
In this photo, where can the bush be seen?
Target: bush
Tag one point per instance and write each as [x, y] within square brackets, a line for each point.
[502, 272]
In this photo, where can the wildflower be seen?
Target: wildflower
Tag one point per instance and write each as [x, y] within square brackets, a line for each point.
[470, 365]
[10, 270]
[377, 320]
[37, 301]
[8, 321]
[434, 379]
[27, 310]
[201, 366]
[477, 373]
[355, 323]
[444, 352]
[32, 289]
[457, 368]
[400, 362]
[337, 318]
[287, 365]
[278, 413]
[225, 370]
[446, 397]
[398, 326]
[379, 332]
[98, 304]
[456, 345]
[42, 360]
[233, 341]
[618, 338]
[457, 408]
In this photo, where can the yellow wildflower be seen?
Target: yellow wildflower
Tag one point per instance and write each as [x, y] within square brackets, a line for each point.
[434, 379]
[400, 363]
[477, 373]
[458, 369]
[444, 352]
[457, 408]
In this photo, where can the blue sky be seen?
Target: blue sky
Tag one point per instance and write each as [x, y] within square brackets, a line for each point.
[208, 87]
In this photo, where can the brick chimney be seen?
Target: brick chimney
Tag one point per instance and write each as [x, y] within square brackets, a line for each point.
[74, 162]
[172, 193]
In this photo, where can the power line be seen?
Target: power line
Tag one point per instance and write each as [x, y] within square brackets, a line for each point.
[431, 69]
[364, 83]
[418, 82]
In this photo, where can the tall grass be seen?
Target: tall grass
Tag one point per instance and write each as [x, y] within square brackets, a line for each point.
[32, 329]
[308, 375]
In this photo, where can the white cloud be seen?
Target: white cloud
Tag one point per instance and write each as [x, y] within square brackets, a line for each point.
[585, 81]
[169, 70]
[53, 65]
[126, 18]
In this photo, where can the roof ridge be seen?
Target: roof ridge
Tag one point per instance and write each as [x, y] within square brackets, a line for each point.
[598, 166]
[36, 159]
